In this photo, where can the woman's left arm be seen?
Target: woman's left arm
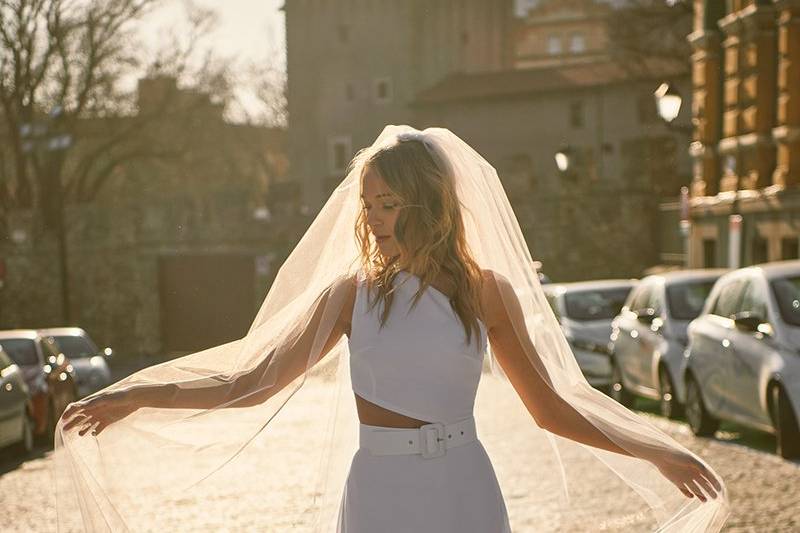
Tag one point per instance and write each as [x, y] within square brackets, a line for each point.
[529, 377]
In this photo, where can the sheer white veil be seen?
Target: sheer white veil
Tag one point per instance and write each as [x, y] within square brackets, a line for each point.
[186, 465]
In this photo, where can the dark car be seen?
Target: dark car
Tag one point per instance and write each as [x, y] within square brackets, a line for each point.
[47, 373]
[16, 408]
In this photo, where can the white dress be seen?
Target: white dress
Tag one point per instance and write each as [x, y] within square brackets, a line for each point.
[419, 365]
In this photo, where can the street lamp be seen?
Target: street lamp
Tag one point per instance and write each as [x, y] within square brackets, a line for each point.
[668, 102]
[563, 158]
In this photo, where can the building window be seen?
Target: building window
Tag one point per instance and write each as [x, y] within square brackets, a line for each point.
[577, 43]
[343, 31]
[465, 37]
[709, 253]
[760, 249]
[790, 248]
[554, 45]
[340, 150]
[383, 90]
[576, 118]
[349, 92]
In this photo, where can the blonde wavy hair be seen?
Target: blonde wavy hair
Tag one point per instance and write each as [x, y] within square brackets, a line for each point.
[429, 232]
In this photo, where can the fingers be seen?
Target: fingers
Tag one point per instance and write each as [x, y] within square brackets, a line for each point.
[707, 486]
[696, 490]
[87, 427]
[686, 492]
[77, 419]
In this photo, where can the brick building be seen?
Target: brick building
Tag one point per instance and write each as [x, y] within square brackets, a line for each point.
[745, 200]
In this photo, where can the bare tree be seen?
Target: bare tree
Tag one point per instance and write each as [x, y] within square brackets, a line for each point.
[649, 36]
[67, 121]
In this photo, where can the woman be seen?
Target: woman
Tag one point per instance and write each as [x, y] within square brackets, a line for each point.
[438, 273]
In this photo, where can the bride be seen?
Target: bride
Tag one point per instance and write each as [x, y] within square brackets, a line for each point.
[415, 268]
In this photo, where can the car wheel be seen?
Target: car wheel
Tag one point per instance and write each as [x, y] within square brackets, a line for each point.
[617, 389]
[785, 421]
[668, 404]
[700, 421]
[25, 446]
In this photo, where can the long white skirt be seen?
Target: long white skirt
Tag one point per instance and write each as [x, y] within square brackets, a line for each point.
[454, 493]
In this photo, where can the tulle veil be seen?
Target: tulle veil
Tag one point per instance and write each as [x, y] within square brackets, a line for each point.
[198, 468]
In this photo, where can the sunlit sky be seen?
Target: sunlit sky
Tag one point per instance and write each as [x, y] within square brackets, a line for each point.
[246, 31]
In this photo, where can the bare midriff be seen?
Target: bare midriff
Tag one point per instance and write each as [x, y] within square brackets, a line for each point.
[375, 415]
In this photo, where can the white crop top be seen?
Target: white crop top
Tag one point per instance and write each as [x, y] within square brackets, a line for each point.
[419, 364]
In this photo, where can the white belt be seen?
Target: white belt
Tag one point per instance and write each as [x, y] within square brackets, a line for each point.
[430, 440]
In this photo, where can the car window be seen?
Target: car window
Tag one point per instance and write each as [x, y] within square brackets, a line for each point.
[787, 294]
[21, 351]
[599, 304]
[76, 346]
[728, 298]
[753, 301]
[686, 300]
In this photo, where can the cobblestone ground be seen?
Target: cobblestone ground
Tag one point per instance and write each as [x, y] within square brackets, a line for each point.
[764, 489]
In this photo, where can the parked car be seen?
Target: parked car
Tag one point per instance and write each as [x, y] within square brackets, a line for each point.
[585, 310]
[648, 337]
[743, 359]
[16, 409]
[47, 373]
[89, 363]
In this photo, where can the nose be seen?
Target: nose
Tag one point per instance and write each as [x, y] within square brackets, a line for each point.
[373, 220]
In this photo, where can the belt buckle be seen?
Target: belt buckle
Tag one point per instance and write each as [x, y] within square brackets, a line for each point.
[432, 441]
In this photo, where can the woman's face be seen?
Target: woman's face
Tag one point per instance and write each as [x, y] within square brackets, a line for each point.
[381, 208]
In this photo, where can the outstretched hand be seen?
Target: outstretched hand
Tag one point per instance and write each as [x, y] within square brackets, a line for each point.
[691, 476]
[99, 412]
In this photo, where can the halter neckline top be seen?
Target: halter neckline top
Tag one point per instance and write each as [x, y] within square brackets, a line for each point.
[420, 363]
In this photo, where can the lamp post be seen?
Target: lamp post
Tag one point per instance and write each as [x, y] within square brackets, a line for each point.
[48, 137]
[668, 104]
[564, 158]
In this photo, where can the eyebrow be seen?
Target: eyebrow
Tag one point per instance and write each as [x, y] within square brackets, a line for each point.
[379, 195]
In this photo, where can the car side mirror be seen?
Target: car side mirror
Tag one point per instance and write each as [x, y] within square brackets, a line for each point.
[646, 316]
[748, 321]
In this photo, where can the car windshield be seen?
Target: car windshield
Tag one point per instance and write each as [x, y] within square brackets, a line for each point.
[599, 304]
[75, 347]
[21, 351]
[686, 300]
[787, 294]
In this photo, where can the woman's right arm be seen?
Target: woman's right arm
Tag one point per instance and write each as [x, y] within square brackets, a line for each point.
[245, 390]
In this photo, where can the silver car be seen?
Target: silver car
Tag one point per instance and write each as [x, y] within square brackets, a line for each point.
[648, 337]
[743, 359]
[16, 410]
[89, 363]
[585, 310]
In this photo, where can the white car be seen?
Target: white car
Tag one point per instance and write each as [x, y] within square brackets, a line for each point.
[743, 359]
[89, 363]
[648, 337]
[585, 310]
